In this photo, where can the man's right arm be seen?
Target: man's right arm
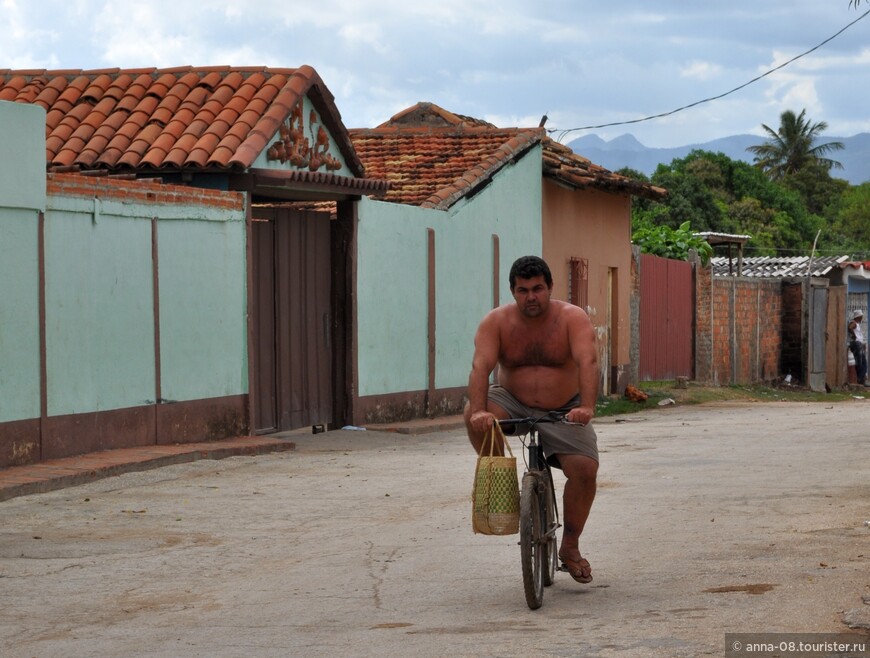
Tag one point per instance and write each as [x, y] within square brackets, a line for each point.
[486, 347]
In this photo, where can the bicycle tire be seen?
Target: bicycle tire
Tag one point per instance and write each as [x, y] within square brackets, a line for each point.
[549, 547]
[530, 542]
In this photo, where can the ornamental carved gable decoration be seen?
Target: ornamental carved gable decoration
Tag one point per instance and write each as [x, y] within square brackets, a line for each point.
[295, 147]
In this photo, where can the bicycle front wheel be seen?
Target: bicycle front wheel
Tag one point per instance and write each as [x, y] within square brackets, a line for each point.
[532, 551]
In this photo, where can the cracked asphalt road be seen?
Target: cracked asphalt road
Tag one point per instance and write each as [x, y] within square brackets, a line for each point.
[709, 519]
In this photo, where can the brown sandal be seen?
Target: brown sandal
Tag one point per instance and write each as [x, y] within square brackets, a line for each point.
[577, 569]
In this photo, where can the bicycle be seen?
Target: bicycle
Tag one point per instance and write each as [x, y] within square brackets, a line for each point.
[539, 511]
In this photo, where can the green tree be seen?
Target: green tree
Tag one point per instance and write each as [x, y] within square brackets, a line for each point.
[668, 242]
[793, 146]
[816, 187]
[715, 193]
[852, 215]
[688, 200]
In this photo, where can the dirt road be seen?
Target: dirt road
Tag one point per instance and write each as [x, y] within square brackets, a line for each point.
[713, 519]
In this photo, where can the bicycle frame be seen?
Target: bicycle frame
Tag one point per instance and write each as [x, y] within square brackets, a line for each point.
[534, 458]
[537, 462]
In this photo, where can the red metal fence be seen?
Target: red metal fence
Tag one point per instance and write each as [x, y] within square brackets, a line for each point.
[667, 318]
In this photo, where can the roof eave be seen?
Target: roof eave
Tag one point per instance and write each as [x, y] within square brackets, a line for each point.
[306, 185]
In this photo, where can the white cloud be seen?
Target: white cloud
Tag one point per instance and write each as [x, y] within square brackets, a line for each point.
[581, 63]
[699, 70]
[801, 95]
[365, 35]
[20, 45]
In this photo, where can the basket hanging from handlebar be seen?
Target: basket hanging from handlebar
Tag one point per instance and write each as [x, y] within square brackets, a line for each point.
[496, 493]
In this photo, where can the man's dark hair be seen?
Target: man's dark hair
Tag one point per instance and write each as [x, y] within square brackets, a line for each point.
[528, 267]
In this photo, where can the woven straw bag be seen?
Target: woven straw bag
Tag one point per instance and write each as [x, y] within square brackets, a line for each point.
[495, 499]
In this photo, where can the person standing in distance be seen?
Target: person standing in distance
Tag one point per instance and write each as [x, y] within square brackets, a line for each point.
[547, 359]
[858, 346]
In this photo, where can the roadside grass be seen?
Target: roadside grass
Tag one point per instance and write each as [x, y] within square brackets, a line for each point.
[666, 393]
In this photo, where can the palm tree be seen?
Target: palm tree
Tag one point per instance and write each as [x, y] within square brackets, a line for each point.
[792, 147]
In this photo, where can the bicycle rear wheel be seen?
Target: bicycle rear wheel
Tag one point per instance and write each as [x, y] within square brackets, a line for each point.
[532, 548]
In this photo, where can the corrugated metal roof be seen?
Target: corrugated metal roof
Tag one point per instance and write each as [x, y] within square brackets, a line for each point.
[776, 266]
[723, 238]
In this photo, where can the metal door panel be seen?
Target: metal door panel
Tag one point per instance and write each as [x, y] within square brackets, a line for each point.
[302, 297]
[666, 319]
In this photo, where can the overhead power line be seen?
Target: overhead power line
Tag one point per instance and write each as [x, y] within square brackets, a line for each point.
[563, 133]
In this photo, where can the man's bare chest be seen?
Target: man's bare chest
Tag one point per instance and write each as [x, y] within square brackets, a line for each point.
[548, 348]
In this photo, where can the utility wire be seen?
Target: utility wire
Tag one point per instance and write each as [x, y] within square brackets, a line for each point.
[563, 133]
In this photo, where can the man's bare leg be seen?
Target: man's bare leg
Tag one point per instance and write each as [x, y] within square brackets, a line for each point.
[577, 500]
[477, 438]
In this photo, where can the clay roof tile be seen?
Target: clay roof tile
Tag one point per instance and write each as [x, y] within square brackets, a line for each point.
[204, 146]
[97, 88]
[175, 117]
[50, 93]
[183, 146]
[210, 80]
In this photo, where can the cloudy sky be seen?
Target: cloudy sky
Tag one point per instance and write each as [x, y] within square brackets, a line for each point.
[582, 62]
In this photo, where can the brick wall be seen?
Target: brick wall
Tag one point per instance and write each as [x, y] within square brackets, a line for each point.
[738, 329]
[703, 327]
[141, 191]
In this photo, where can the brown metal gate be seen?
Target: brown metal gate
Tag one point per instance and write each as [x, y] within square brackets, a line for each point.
[667, 314]
[291, 299]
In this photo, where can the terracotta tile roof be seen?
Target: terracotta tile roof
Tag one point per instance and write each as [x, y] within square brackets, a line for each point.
[565, 166]
[434, 167]
[163, 119]
[432, 157]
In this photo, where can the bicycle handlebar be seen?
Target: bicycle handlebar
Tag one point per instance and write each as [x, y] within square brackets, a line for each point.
[549, 417]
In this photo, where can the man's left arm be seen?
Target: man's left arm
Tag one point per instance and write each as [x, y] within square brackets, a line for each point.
[584, 352]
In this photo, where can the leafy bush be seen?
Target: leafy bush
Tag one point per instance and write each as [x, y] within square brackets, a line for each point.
[667, 242]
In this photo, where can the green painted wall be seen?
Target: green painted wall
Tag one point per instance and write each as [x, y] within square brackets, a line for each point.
[22, 165]
[99, 309]
[100, 303]
[22, 196]
[391, 288]
[19, 315]
[392, 278]
[203, 315]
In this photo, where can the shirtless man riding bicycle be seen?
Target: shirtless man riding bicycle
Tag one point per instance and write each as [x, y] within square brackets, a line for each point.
[547, 360]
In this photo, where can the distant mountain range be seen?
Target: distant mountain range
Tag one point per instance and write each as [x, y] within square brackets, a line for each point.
[626, 151]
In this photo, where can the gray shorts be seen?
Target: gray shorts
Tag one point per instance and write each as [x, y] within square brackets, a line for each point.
[557, 438]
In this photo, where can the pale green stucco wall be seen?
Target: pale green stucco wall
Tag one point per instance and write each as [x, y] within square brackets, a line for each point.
[100, 303]
[99, 307]
[19, 315]
[392, 278]
[391, 285]
[99, 289]
[22, 147]
[22, 196]
[203, 326]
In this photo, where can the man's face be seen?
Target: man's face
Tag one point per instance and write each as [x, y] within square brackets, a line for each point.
[532, 296]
